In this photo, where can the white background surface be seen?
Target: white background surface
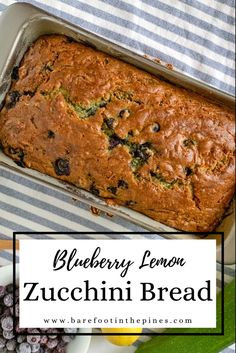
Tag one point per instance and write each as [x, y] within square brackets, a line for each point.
[100, 345]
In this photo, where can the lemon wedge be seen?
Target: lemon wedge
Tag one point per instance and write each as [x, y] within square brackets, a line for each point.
[122, 340]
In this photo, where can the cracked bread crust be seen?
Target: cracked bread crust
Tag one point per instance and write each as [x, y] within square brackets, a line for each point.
[84, 117]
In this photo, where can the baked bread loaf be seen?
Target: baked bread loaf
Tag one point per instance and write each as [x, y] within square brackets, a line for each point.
[96, 122]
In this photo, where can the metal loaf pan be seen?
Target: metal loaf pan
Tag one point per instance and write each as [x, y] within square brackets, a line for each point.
[20, 25]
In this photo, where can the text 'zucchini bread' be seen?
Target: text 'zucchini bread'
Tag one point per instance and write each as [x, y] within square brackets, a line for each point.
[96, 122]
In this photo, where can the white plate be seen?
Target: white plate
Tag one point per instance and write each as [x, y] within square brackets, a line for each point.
[80, 344]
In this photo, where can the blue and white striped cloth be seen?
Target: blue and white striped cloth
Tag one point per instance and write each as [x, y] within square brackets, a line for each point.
[196, 36]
